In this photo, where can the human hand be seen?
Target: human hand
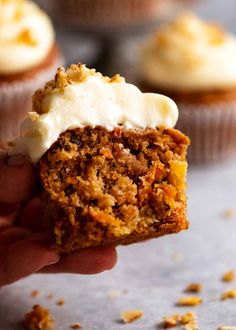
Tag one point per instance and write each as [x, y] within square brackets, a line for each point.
[23, 248]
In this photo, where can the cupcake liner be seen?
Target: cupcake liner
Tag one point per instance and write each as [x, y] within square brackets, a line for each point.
[211, 128]
[90, 13]
[15, 100]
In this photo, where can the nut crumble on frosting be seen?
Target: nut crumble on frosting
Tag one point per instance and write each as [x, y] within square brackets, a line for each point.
[80, 97]
[76, 73]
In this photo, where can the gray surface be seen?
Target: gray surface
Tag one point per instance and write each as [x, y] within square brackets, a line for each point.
[150, 271]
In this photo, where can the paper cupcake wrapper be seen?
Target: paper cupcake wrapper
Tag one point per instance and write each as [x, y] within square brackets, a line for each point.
[102, 12]
[212, 130]
[15, 100]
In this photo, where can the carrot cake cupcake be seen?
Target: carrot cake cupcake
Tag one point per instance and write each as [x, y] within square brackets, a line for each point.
[28, 57]
[112, 167]
[194, 63]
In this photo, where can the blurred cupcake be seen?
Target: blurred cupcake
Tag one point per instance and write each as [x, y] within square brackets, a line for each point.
[194, 63]
[28, 58]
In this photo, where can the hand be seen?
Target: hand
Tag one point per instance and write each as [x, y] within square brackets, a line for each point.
[23, 248]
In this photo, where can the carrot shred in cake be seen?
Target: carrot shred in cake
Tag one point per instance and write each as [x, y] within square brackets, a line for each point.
[38, 319]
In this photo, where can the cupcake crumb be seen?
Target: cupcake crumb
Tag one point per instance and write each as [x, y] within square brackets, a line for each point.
[49, 296]
[230, 294]
[188, 320]
[225, 327]
[189, 301]
[60, 302]
[193, 288]
[39, 318]
[76, 326]
[131, 315]
[228, 214]
[34, 293]
[229, 276]
[114, 294]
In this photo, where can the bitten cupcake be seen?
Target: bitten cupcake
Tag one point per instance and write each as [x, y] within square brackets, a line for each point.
[194, 63]
[28, 57]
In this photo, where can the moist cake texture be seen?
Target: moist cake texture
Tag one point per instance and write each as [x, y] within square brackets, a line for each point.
[112, 168]
[114, 187]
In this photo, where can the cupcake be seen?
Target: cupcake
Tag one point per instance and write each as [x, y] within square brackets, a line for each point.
[111, 165]
[194, 63]
[28, 57]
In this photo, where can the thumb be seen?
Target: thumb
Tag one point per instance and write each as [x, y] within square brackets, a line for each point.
[17, 179]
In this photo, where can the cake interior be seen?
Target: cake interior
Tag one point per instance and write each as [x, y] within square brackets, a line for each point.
[114, 187]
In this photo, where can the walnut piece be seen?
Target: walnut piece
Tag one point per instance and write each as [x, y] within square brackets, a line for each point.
[38, 319]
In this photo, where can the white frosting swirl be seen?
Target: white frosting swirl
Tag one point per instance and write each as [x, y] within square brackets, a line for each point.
[26, 36]
[92, 101]
[189, 54]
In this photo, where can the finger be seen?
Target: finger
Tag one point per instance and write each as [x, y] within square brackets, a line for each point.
[24, 258]
[8, 213]
[30, 215]
[86, 261]
[17, 179]
[10, 235]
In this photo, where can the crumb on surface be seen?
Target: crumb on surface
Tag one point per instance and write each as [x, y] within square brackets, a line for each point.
[229, 276]
[49, 296]
[188, 320]
[60, 302]
[76, 326]
[189, 301]
[228, 213]
[230, 294]
[225, 327]
[178, 257]
[38, 319]
[131, 315]
[193, 288]
[114, 294]
[34, 293]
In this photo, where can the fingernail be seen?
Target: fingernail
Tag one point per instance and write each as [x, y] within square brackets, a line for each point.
[16, 161]
[54, 258]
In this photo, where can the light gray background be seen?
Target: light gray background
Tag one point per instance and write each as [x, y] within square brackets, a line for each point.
[156, 272]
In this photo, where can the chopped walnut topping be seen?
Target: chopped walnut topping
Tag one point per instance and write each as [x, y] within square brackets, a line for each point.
[76, 73]
[194, 288]
[38, 319]
[26, 37]
[229, 276]
[76, 326]
[230, 294]
[189, 320]
[60, 302]
[34, 293]
[189, 301]
[131, 315]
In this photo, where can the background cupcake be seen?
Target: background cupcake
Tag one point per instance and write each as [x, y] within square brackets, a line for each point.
[28, 58]
[194, 63]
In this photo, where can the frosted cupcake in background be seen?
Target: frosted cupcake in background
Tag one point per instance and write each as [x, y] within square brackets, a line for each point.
[194, 63]
[28, 58]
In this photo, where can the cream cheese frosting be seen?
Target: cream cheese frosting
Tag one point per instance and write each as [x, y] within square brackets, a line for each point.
[81, 97]
[26, 36]
[189, 54]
